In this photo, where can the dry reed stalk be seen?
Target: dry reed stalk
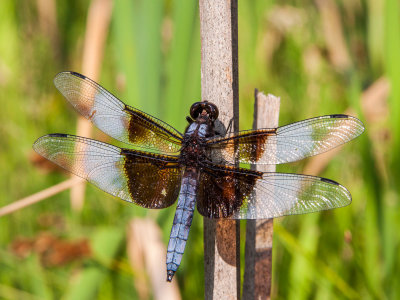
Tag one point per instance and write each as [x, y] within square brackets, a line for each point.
[374, 101]
[44, 194]
[375, 107]
[146, 253]
[333, 34]
[98, 22]
[47, 15]
[259, 233]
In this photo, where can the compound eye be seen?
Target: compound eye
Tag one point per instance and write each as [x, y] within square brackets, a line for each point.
[213, 111]
[196, 109]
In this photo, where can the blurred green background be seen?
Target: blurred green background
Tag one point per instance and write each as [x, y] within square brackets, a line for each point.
[320, 57]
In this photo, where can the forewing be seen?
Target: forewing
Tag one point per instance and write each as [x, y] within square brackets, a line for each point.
[269, 196]
[148, 180]
[115, 118]
[287, 143]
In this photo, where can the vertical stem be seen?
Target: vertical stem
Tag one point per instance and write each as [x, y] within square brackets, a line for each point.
[219, 84]
[258, 249]
[98, 21]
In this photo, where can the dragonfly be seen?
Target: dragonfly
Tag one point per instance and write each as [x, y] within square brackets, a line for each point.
[197, 168]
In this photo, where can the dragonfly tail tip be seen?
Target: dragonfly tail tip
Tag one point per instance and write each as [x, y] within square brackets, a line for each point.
[170, 274]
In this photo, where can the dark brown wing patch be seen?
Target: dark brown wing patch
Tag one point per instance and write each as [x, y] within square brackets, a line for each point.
[266, 195]
[223, 190]
[144, 129]
[246, 146]
[153, 180]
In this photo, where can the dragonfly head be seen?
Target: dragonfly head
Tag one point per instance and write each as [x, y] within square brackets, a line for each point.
[204, 109]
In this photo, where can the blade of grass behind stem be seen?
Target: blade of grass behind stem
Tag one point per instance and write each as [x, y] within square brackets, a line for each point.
[251, 25]
[105, 245]
[86, 284]
[373, 223]
[37, 284]
[293, 246]
[375, 209]
[375, 27]
[184, 19]
[391, 240]
[9, 69]
[301, 274]
[392, 67]
[192, 88]
[325, 291]
[8, 35]
[147, 37]
[10, 292]
[126, 48]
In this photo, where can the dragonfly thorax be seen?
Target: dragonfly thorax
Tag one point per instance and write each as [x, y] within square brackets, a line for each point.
[193, 149]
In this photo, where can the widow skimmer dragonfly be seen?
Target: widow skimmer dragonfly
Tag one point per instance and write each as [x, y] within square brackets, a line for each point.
[198, 166]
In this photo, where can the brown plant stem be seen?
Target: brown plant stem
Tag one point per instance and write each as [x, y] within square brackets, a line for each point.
[259, 233]
[219, 85]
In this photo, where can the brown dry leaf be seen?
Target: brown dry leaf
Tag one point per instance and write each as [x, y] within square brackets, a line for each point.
[51, 220]
[64, 252]
[44, 242]
[22, 247]
[53, 251]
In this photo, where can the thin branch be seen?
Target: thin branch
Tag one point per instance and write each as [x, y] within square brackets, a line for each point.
[32, 199]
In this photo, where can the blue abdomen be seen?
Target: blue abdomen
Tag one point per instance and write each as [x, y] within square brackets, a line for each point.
[182, 221]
